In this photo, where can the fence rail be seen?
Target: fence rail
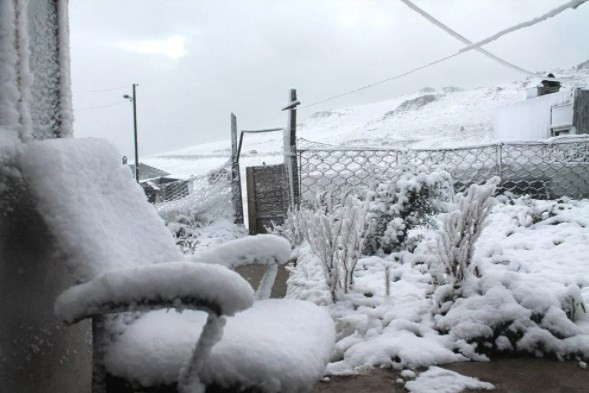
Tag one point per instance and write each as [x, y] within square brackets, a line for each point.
[544, 170]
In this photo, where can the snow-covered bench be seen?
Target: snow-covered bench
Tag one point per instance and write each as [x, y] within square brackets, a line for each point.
[130, 274]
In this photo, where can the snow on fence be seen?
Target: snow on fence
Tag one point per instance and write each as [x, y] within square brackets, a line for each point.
[205, 197]
[544, 170]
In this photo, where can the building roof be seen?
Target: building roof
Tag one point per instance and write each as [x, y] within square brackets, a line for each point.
[147, 172]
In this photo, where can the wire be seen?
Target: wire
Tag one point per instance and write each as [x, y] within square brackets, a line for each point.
[382, 81]
[99, 106]
[463, 39]
[571, 4]
[101, 90]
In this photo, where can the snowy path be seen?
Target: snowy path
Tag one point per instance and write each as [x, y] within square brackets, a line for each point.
[509, 375]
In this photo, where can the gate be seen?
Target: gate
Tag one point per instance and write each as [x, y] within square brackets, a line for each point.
[271, 189]
[267, 196]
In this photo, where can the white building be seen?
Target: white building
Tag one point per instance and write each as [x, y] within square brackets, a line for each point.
[542, 116]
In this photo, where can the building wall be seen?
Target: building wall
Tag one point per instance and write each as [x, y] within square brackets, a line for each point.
[34, 61]
[38, 354]
[529, 119]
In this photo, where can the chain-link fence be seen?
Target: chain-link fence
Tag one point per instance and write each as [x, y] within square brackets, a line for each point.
[207, 195]
[544, 170]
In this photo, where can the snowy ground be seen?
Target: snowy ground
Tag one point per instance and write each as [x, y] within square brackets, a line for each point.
[530, 298]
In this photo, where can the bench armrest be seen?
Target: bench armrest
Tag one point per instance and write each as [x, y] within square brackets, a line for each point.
[250, 250]
[180, 285]
[269, 250]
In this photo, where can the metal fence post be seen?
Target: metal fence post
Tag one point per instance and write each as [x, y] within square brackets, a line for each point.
[235, 174]
[300, 171]
[500, 162]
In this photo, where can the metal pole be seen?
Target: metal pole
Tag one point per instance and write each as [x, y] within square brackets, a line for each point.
[293, 148]
[235, 172]
[290, 148]
[135, 133]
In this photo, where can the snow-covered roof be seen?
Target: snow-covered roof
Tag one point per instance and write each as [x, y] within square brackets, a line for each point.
[148, 172]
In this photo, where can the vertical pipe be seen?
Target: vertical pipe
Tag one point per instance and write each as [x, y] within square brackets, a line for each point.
[500, 162]
[135, 132]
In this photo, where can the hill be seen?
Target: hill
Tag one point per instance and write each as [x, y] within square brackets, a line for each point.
[428, 118]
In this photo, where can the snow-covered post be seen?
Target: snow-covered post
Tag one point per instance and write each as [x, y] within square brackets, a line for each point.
[290, 149]
[499, 159]
[235, 174]
[66, 112]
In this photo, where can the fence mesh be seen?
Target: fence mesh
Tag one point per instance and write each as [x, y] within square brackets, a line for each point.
[205, 196]
[548, 170]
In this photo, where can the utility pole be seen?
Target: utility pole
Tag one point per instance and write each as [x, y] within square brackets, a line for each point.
[134, 101]
[235, 174]
[290, 148]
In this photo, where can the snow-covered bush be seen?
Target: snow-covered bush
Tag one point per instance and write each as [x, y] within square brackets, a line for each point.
[294, 227]
[184, 230]
[193, 234]
[401, 202]
[573, 305]
[337, 238]
[532, 296]
[532, 211]
[462, 227]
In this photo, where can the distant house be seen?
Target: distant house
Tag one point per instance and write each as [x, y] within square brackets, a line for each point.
[157, 184]
[547, 112]
[148, 172]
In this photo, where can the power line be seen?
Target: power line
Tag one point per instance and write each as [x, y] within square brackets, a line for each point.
[382, 81]
[101, 90]
[463, 39]
[100, 106]
[571, 4]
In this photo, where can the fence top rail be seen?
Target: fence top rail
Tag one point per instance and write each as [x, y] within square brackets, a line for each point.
[263, 130]
[548, 142]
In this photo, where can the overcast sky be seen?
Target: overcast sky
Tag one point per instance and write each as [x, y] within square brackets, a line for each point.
[196, 61]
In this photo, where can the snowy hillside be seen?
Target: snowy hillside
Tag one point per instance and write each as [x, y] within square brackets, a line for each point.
[428, 118]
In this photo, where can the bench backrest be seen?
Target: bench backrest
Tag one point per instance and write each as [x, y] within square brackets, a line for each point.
[98, 214]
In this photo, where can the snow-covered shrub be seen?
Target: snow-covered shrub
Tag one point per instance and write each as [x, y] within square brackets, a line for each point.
[532, 211]
[193, 231]
[294, 228]
[330, 200]
[462, 227]
[403, 201]
[337, 238]
[183, 228]
[573, 304]
[530, 299]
